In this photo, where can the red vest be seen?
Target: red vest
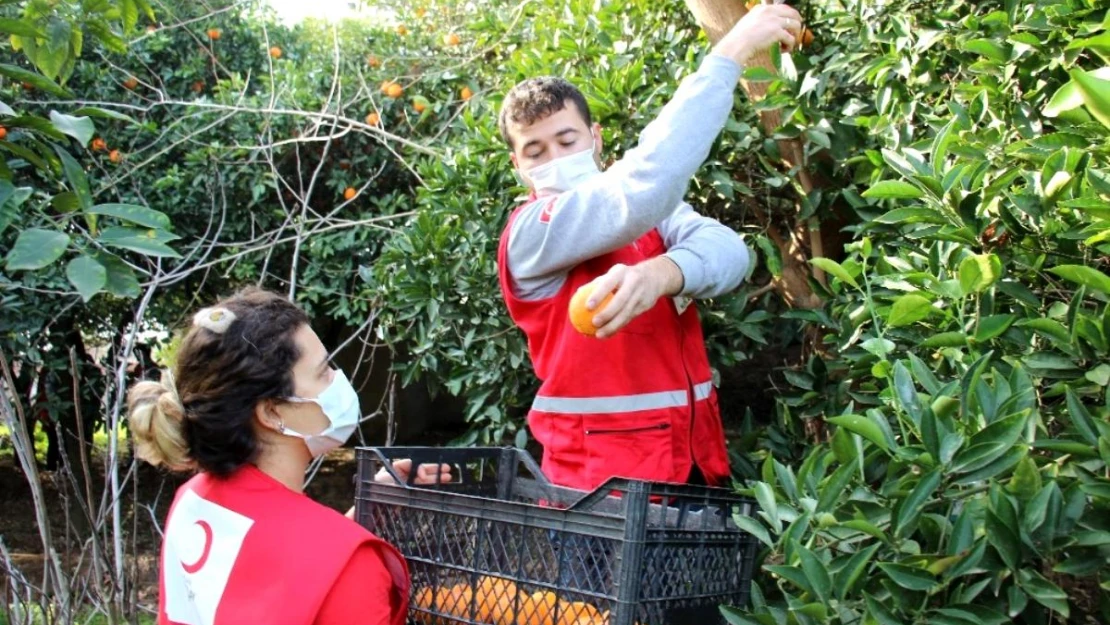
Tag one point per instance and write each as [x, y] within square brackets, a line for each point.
[249, 550]
[640, 404]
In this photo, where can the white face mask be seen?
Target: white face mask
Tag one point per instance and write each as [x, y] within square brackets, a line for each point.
[339, 401]
[562, 174]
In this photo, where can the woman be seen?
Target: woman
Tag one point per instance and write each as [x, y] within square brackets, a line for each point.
[252, 400]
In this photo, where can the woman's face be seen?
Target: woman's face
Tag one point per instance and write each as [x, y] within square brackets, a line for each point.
[312, 373]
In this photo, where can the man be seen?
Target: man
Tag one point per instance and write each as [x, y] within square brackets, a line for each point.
[639, 404]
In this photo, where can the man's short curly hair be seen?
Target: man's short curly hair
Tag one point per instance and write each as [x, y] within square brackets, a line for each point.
[537, 98]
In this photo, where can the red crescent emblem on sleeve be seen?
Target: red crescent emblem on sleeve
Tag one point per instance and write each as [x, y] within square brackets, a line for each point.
[547, 211]
[199, 564]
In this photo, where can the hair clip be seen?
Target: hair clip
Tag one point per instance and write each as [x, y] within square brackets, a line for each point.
[216, 320]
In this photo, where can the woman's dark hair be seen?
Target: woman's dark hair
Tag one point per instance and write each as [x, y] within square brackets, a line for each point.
[237, 353]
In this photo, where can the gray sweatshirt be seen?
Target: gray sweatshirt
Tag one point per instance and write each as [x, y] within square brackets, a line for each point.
[642, 191]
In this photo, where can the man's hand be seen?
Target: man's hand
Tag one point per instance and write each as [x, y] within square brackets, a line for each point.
[637, 288]
[425, 474]
[762, 26]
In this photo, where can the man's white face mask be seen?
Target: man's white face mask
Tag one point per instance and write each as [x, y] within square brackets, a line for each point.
[562, 174]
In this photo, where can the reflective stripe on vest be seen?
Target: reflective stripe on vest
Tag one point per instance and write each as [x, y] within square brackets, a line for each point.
[621, 403]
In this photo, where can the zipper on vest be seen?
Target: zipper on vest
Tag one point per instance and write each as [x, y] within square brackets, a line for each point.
[642, 428]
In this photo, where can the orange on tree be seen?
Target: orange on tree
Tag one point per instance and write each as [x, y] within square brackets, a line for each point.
[452, 39]
[99, 145]
[373, 61]
[275, 52]
[3, 133]
[372, 119]
[115, 156]
[581, 318]
[131, 82]
[402, 30]
[395, 91]
[419, 105]
[421, 12]
[349, 193]
[807, 37]
[465, 93]
[198, 86]
[214, 34]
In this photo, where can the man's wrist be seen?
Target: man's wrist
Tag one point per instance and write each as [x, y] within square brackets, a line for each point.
[669, 274]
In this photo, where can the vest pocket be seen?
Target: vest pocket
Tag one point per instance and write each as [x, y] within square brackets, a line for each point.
[629, 447]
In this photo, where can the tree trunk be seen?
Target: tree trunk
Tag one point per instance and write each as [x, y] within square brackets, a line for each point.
[717, 17]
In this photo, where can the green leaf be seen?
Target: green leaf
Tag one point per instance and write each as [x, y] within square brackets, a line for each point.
[909, 577]
[122, 282]
[87, 276]
[753, 527]
[993, 326]
[75, 175]
[1044, 592]
[11, 198]
[907, 393]
[80, 128]
[893, 189]
[1086, 276]
[142, 241]
[1004, 539]
[909, 309]
[879, 612]
[1096, 94]
[791, 574]
[1026, 480]
[1080, 418]
[833, 268]
[945, 339]
[878, 347]
[988, 48]
[860, 525]
[979, 272]
[816, 572]
[36, 248]
[22, 28]
[862, 426]
[129, 13]
[1005, 462]
[910, 507]
[1049, 327]
[912, 216]
[1099, 375]
[765, 495]
[733, 616]
[847, 576]
[35, 79]
[133, 213]
[96, 111]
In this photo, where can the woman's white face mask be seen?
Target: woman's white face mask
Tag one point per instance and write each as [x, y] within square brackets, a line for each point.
[339, 403]
[563, 173]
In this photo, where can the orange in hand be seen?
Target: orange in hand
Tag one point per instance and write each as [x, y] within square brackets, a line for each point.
[581, 318]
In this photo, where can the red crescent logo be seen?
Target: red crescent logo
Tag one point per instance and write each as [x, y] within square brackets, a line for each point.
[199, 564]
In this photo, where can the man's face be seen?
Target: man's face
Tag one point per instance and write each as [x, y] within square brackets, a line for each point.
[560, 134]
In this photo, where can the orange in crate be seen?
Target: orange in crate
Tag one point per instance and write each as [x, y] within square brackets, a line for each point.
[495, 597]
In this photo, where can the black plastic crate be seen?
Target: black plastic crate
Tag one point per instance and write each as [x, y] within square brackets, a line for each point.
[501, 545]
